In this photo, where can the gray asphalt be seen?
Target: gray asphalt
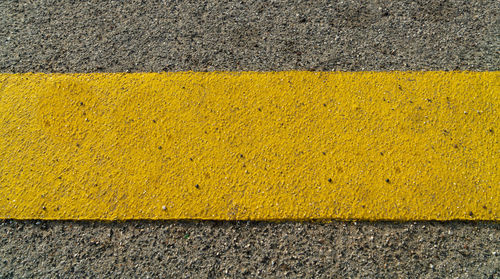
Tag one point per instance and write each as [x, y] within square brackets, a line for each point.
[145, 249]
[152, 36]
[148, 36]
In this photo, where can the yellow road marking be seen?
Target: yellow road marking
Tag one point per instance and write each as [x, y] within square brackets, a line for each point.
[261, 146]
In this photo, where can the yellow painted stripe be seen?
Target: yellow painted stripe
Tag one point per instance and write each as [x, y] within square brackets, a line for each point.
[261, 146]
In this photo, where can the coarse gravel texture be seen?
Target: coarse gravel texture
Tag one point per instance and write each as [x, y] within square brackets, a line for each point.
[147, 36]
[144, 249]
[153, 36]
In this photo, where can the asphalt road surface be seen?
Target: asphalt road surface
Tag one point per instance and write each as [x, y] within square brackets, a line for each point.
[154, 36]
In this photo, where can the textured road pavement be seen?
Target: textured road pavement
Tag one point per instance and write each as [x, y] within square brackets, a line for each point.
[146, 249]
[151, 36]
[49, 36]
